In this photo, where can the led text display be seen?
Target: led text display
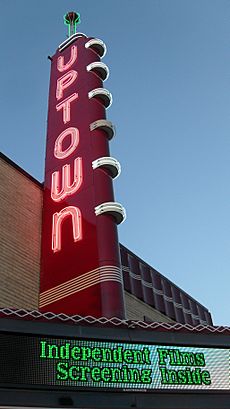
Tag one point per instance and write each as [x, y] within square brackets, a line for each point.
[78, 363]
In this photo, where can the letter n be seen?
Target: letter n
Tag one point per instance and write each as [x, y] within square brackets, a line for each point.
[58, 219]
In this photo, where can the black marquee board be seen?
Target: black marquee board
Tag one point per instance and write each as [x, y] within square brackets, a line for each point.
[69, 365]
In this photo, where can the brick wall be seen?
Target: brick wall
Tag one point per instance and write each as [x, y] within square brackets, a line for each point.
[20, 225]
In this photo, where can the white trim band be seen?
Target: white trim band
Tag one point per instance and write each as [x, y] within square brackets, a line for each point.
[100, 69]
[105, 125]
[80, 283]
[114, 209]
[109, 163]
[103, 95]
[70, 40]
[98, 46]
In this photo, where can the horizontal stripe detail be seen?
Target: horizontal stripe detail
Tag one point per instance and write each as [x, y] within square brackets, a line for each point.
[80, 283]
[164, 296]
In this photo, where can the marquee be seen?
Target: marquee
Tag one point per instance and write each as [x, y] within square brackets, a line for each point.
[70, 363]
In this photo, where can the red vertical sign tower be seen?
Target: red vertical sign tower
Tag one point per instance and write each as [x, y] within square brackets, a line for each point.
[80, 264]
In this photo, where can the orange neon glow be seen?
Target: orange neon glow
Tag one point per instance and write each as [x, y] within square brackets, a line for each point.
[58, 219]
[58, 150]
[73, 57]
[64, 82]
[65, 105]
[59, 193]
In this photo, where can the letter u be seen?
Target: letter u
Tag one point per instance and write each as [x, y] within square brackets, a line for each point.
[73, 57]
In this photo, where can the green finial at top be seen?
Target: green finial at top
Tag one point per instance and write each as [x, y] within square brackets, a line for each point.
[72, 19]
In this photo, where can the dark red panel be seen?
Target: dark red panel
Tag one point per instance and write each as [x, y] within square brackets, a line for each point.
[147, 284]
[169, 304]
[84, 275]
[178, 305]
[125, 268]
[186, 310]
[158, 292]
[135, 277]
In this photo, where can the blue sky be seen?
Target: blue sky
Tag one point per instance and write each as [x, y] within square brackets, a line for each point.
[169, 66]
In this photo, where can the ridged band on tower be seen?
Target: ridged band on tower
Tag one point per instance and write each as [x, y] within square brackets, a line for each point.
[103, 95]
[100, 69]
[109, 163]
[114, 209]
[98, 46]
[105, 125]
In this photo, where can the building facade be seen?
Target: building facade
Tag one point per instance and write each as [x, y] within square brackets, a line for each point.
[159, 349]
[149, 296]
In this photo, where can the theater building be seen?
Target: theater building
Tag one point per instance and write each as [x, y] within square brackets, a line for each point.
[149, 296]
[84, 322]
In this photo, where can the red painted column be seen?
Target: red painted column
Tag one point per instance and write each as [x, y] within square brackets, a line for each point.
[80, 263]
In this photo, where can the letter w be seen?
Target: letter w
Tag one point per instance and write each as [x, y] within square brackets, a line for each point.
[60, 191]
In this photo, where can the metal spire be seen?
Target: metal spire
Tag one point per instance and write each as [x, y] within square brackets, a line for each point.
[72, 19]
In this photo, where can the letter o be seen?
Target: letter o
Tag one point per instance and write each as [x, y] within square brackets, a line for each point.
[61, 153]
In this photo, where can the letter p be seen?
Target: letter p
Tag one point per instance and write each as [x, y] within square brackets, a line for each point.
[64, 82]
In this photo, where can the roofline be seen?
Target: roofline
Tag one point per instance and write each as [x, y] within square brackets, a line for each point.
[167, 279]
[22, 171]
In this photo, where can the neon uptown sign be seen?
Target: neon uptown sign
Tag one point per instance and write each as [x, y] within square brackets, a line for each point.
[80, 363]
[59, 193]
[80, 250]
